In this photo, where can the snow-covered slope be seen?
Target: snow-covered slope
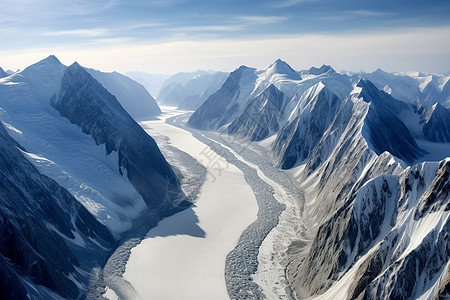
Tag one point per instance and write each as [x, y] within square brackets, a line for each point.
[224, 105]
[437, 89]
[426, 89]
[306, 125]
[171, 92]
[76, 132]
[188, 91]
[48, 241]
[267, 109]
[244, 84]
[99, 168]
[131, 95]
[318, 71]
[152, 82]
[342, 135]
[87, 104]
[195, 92]
[2, 73]
[390, 240]
[383, 128]
[401, 87]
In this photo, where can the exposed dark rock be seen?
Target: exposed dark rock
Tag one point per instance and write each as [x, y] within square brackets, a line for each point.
[436, 127]
[260, 117]
[220, 106]
[38, 220]
[386, 131]
[297, 139]
[87, 104]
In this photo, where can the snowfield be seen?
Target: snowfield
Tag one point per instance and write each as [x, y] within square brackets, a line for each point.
[188, 250]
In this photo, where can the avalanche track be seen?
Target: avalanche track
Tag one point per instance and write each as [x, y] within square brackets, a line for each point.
[222, 247]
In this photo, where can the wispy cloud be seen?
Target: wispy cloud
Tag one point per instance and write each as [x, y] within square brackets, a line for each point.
[398, 50]
[355, 14]
[206, 28]
[95, 32]
[146, 25]
[288, 3]
[261, 19]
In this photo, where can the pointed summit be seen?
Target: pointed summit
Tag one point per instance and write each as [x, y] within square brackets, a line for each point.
[380, 71]
[2, 73]
[282, 68]
[53, 58]
[75, 66]
[76, 71]
[48, 64]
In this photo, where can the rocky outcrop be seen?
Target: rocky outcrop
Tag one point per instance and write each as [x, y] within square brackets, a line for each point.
[390, 232]
[260, 117]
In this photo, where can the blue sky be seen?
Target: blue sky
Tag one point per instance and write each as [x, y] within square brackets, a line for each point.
[180, 35]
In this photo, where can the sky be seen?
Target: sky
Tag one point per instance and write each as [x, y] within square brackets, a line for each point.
[169, 36]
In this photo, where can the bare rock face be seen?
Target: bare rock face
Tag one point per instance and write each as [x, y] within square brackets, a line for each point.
[87, 104]
[260, 117]
[297, 139]
[221, 107]
[436, 123]
[377, 232]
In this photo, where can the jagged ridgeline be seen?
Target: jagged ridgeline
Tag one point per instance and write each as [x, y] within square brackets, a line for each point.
[371, 151]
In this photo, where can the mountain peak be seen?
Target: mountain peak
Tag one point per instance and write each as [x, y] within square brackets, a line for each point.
[51, 59]
[369, 91]
[365, 83]
[2, 73]
[75, 65]
[47, 64]
[282, 67]
[323, 69]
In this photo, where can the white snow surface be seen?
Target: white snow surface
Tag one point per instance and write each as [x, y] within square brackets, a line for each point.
[184, 256]
[133, 97]
[61, 150]
[412, 232]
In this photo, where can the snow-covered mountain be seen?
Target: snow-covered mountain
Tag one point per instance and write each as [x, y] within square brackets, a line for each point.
[245, 83]
[105, 172]
[132, 96]
[194, 92]
[426, 89]
[318, 71]
[388, 241]
[189, 90]
[2, 73]
[49, 241]
[267, 107]
[350, 145]
[223, 106]
[152, 82]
